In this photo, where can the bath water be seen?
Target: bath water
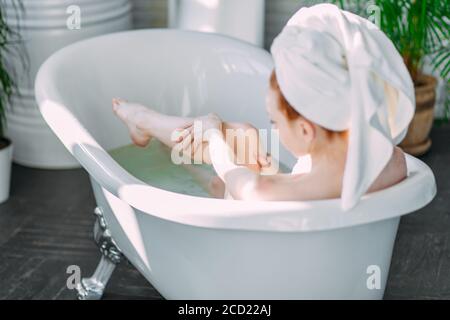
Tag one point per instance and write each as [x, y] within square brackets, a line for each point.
[154, 166]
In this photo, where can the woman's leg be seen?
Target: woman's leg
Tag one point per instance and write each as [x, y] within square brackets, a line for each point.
[145, 124]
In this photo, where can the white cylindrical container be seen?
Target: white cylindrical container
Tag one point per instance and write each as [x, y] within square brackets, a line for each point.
[240, 19]
[6, 150]
[45, 27]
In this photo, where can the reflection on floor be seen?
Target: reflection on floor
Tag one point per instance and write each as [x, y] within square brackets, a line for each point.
[47, 226]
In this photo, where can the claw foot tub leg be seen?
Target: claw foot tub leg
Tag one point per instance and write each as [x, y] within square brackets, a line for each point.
[92, 288]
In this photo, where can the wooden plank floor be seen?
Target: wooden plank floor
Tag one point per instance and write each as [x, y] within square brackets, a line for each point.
[47, 226]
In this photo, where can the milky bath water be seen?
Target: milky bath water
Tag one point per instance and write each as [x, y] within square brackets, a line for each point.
[153, 165]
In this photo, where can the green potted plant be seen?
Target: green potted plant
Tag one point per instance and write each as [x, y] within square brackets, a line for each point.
[420, 31]
[7, 87]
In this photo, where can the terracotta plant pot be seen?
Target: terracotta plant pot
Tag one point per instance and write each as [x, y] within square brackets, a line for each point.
[417, 140]
[5, 168]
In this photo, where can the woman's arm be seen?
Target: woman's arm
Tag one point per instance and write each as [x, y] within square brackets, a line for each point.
[244, 184]
[241, 137]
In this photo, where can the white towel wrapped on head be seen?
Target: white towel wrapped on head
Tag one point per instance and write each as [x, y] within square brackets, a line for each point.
[338, 70]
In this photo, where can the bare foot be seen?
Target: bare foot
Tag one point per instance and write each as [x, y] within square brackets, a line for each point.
[134, 116]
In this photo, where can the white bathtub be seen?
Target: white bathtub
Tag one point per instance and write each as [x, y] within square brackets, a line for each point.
[198, 248]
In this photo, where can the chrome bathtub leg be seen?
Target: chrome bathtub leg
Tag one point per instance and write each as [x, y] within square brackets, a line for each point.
[92, 288]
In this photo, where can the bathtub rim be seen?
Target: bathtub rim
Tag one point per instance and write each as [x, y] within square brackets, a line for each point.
[281, 216]
[293, 216]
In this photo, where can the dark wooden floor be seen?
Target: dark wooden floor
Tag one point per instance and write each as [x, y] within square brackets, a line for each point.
[47, 226]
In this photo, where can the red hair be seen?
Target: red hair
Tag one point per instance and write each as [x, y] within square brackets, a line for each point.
[292, 114]
[283, 104]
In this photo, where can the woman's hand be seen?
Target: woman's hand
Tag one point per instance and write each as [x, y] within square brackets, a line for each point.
[199, 131]
[246, 148]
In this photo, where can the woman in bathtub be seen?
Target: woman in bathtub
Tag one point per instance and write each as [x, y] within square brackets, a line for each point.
[339, 93]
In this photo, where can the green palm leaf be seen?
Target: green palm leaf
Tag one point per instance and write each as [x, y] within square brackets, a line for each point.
[8, 45]
[418, 28]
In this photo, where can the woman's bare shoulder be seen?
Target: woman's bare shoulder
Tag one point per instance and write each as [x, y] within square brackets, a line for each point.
[394, 172]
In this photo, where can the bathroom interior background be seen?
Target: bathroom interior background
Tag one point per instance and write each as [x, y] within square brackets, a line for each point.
[153, 14]
[36, 210]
